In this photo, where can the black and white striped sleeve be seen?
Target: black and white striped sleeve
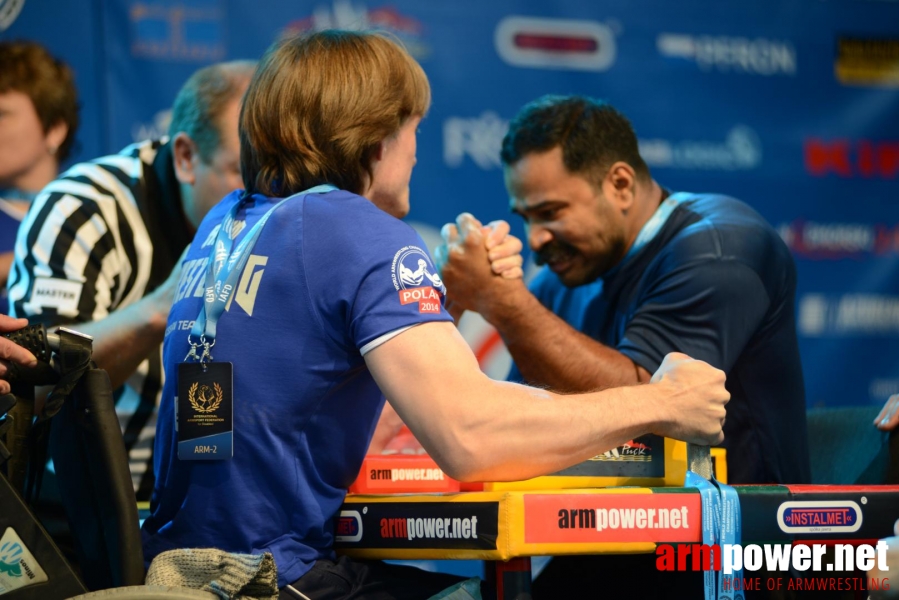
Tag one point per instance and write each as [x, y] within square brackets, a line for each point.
[68, 264]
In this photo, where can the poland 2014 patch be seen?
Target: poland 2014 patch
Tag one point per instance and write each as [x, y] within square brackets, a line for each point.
[416, 279]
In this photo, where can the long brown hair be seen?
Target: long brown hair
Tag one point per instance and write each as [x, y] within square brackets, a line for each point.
[319, 105]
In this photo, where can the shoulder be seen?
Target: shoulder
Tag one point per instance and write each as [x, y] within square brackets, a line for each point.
[718, 227]
[211, 223]
[108, 178]
[351, 223]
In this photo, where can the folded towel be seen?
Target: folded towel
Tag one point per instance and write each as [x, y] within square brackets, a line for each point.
[229, 576]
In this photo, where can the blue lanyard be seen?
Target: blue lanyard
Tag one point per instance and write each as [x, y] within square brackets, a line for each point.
[709, 497]
[721, 524]
[223, 270]
[730, 533]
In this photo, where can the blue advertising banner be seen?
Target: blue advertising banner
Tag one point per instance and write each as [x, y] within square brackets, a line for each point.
[789, 105]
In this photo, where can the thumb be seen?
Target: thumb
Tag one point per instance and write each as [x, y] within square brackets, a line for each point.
[468, 225]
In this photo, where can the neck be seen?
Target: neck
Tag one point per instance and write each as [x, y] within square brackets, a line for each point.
[39, 175]
[188, 208]
[648, 198]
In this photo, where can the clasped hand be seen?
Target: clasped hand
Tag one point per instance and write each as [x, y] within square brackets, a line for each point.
[478, 263]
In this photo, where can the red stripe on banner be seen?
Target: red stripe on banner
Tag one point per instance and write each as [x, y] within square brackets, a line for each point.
[482, 352]
[555, 43]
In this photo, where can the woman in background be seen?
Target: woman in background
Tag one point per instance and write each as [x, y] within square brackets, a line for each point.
[38, 119]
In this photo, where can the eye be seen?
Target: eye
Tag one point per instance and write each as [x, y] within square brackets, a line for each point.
[548, 214]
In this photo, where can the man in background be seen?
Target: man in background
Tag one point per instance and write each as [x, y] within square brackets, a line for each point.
[99, 244]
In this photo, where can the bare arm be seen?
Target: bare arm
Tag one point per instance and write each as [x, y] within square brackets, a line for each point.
[480, 429]
[389, 424]
[127, 336]
[546, 349]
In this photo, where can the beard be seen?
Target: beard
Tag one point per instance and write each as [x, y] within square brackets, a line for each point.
[553, 252]
[584, 271]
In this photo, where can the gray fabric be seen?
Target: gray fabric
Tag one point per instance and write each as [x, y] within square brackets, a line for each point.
[147, 592]
[846, 448]
[470, 589]
[228, 576]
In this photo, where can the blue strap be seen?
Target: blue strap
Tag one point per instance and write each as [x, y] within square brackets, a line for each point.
[224, 269]
[730, 532]
[709, 497]
[722, 525]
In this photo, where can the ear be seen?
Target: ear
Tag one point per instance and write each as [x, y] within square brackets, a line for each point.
[185, 156]
[378, 154]
[619, 186]
[55, 136]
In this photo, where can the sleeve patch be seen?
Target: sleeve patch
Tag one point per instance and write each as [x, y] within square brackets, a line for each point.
[410, 269]
[61, 294]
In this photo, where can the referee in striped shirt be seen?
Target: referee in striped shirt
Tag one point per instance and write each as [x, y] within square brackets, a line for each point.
[100, 245]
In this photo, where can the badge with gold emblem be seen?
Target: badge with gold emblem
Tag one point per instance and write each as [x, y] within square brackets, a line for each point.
[204, 411]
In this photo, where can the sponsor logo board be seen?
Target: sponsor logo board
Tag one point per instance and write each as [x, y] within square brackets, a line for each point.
[726, 54]
[825, 516]
[620, 518]
[544, 43]
[409, 525]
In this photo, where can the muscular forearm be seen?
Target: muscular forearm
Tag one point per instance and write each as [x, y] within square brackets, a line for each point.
[480, 429]
[551, 353]
[528, 432]
[126, 337]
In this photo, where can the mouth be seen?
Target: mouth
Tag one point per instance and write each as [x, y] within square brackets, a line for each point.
[559, 265]
[558, 257]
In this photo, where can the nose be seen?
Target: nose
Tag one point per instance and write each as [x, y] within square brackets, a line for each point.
[538, 236]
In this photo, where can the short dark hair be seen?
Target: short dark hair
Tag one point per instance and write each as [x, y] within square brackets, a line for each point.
[320, 104]
[28, 68]
[592, 135]
[202, 100]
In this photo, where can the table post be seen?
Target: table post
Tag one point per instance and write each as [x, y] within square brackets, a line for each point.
[512, 578]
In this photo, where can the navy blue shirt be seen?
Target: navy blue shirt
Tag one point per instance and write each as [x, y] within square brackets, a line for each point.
[717, 283]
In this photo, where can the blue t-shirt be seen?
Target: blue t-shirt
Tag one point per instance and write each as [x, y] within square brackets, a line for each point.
[716, 282]
[329, 276]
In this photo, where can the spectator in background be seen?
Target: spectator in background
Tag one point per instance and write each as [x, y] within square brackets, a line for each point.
[38, 120]
[99, 244]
